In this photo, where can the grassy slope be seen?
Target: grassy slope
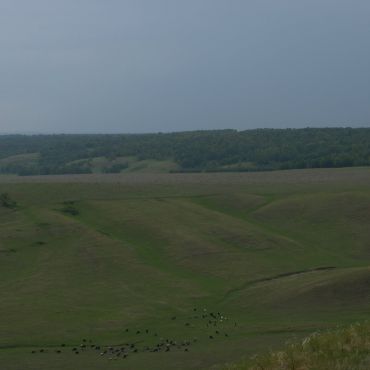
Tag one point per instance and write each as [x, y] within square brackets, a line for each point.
[100, 164]
[137, 254]
[26, 160]
[97, 164]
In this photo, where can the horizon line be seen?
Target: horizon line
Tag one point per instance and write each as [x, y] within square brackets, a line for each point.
[49, 133]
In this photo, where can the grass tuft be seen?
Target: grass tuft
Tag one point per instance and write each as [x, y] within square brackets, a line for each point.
[342, 349]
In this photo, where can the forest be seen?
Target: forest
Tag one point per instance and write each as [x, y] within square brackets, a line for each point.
[193, 151]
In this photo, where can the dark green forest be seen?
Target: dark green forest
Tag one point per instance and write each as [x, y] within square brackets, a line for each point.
[218, 150]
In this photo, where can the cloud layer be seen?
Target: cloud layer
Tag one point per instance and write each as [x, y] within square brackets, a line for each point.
[169, 65]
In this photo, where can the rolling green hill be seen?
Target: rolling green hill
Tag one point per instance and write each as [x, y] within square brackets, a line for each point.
[225, 265]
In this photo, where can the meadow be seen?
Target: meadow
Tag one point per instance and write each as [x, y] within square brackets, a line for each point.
[178, 271]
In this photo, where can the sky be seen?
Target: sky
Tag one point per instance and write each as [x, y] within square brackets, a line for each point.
[133, 66]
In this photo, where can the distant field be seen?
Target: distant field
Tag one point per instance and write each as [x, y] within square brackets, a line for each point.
[211, 266]
[330, 176]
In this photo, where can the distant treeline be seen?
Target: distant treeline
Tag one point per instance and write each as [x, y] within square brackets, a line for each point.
[219, 150]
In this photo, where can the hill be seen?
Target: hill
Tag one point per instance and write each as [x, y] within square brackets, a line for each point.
[177, 271]
[198, 151]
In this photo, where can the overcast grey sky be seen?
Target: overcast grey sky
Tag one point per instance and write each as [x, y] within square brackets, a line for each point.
[169, 65]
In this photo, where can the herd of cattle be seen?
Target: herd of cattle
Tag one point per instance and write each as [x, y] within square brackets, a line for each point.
[212, 325]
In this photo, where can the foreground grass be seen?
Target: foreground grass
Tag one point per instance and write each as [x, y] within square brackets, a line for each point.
[342, 349]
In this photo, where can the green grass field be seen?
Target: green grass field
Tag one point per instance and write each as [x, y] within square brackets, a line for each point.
[138, 259]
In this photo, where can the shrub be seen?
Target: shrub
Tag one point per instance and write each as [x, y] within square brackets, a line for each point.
[6, 201]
